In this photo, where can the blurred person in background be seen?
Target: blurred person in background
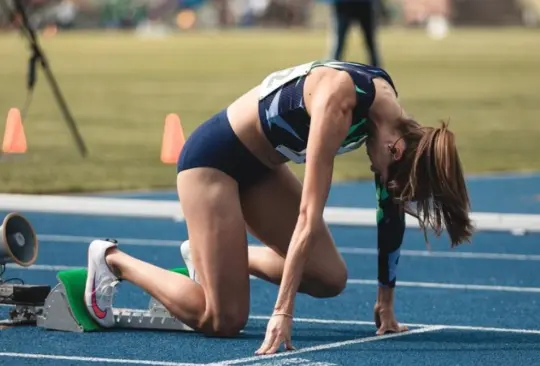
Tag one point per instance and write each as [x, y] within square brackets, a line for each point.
[433, 14]
[225, 15]
[346, 12]
[530, 12]
[66, 13]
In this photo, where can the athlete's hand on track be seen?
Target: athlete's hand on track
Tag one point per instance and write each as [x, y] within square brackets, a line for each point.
[278, 332]
[385, 321]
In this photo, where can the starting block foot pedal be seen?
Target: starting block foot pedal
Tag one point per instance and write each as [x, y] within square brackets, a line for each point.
[65, 310]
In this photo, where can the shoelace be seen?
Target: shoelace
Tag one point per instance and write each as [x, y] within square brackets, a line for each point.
[106, 291]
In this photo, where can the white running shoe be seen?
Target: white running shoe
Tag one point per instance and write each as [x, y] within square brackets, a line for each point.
[186, 255]
[100, 284]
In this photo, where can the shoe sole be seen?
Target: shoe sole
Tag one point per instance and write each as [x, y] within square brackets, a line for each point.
[189, 264]
[88, 292]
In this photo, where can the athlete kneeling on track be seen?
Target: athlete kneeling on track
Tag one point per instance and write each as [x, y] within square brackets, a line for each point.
[232, 176]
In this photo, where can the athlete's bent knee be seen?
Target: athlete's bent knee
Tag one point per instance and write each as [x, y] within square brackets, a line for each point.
[224, 323]
[334, 285]
[330, 284]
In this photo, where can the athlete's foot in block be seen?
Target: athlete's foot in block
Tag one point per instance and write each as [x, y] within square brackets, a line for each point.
[100, 284]
[186, 255]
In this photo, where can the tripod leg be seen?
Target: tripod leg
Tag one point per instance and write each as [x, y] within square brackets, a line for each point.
[65, 111]
[38, 54]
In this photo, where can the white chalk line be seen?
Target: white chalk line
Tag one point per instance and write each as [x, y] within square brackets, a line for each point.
[471, 328]
[436, 254]
[323, 347]
[352, 281]
[59, 239]
[44, 267]
[412, 325]
[451, 286]
[123, 361]
[422, 328]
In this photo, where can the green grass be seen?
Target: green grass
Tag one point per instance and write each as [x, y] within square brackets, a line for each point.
[120, 88]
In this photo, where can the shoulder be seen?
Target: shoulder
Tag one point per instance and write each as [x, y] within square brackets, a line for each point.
[335, 86]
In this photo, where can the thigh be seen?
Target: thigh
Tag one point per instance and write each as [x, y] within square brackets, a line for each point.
[271, 210]
[211, 206]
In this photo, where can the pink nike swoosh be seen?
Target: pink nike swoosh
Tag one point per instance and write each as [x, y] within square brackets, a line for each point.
[99, 313]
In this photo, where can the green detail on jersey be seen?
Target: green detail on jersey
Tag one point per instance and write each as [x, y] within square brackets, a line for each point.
[350, 137]
[382, 194]
[358, 90]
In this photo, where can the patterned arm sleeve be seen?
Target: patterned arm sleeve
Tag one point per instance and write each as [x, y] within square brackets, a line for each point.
[390, 231]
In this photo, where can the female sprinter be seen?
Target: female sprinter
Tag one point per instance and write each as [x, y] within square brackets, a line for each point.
[232, 176]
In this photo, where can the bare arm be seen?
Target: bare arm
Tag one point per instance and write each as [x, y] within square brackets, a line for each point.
[331, 109]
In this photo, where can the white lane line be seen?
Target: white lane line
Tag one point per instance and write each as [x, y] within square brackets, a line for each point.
[413, 325]
[327, 346]
[452, 286]
[345, 250]
[123, 361]
[352, 281]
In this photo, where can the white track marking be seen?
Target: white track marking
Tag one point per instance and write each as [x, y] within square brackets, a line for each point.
[327, 346]
[451, 286]
[352, 281]
[126, 241]
[453, 254]
[43, 267]
[344, 250]
[423, 328]
[123, 361]
[413, 325]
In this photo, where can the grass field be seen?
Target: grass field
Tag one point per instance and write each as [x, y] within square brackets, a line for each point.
[120, 88]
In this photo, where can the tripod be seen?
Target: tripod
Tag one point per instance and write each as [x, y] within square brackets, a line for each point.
[38, 57]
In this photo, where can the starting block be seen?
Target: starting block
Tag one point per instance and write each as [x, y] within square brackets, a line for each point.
[63, 309]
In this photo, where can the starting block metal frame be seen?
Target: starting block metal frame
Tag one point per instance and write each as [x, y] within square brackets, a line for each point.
[41, 306]
[56, 314]
[63, 308]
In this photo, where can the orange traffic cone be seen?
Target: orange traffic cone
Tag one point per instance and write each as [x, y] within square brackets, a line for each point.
[14, 136]
[173, 139]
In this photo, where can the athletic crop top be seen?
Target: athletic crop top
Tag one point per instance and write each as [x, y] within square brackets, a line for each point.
[285, 122]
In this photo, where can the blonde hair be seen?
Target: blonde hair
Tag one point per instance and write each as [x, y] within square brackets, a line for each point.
[430, 173]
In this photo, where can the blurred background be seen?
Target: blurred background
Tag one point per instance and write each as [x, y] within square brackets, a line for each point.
[174, 15]
[123, 65]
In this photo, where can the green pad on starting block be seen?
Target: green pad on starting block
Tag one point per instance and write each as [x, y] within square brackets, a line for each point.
[74, 282]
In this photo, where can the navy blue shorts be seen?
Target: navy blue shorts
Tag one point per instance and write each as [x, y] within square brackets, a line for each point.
[215, 145]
